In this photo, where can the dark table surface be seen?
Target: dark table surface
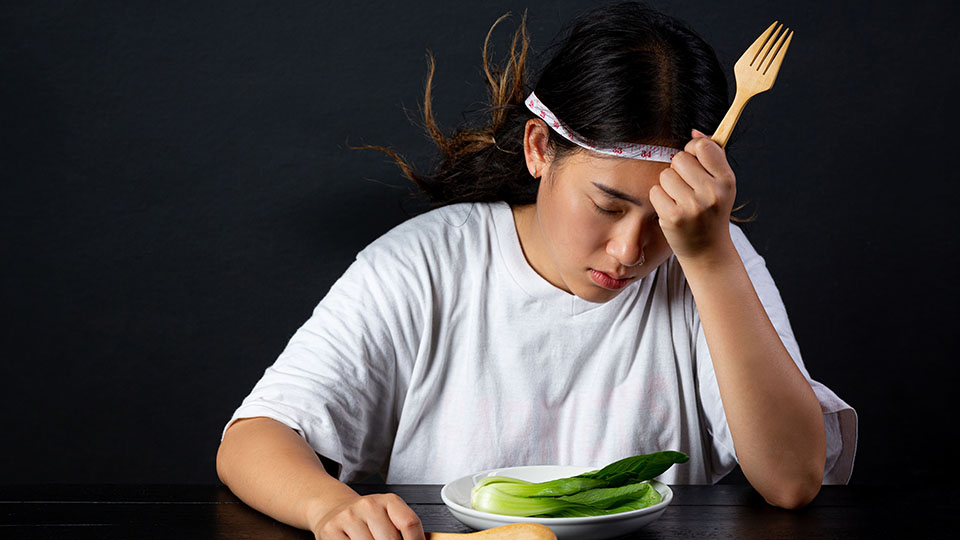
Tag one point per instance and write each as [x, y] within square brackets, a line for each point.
[720, 511]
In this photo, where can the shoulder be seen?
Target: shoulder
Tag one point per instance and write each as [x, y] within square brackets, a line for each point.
[446, 220]
[438, 234]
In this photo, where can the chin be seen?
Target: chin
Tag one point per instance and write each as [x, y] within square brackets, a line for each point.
[597, 295]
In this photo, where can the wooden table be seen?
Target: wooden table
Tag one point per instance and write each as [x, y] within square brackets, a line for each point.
[721, 511]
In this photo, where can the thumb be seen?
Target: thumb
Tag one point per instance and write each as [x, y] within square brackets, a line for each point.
[697, 133]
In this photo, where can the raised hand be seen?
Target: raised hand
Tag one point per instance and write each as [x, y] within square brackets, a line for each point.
[694, 199]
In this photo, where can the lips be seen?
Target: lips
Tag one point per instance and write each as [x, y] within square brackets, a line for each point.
[607, 281]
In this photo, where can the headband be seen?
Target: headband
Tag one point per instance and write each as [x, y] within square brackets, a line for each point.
[648, 152]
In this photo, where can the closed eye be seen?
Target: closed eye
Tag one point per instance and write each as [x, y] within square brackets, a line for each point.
[604, 211]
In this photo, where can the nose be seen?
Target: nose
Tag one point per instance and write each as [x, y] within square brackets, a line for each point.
[639, 262]
[627, 245]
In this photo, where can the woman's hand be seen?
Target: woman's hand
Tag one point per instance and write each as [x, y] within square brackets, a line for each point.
[694, 199]
[383, 516]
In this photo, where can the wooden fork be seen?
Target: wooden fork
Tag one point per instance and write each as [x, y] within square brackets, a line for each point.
[515, 531]
[755, 71]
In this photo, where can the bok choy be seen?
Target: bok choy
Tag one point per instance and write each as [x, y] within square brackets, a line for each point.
[618, 487]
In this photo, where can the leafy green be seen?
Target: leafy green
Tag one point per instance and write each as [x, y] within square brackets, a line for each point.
[612, 497]
[637, 468]
[554, 488]
[629, 497]
[619, 487]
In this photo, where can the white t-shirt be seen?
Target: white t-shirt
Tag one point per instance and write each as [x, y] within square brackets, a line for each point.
[440, 352]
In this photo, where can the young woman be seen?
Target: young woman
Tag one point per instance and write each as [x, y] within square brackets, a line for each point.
[578, 295]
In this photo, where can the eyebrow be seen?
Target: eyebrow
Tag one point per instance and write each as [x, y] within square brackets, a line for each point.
[617, 194]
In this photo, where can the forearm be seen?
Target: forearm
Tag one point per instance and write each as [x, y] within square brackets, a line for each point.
[773, 414]
[272, 469]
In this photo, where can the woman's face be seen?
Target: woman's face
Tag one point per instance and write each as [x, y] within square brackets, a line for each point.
[592, 223]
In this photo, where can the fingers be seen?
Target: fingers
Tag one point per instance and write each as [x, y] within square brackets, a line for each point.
[707, 153]
[666, 208]
[699, 176]
[694, 197]
[373, 517]
[676, 187]
[360, 530]
[687, 186]
[405, 519]
[381, 527]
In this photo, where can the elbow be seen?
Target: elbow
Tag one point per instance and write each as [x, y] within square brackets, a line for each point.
[226, 455]
[797, 493]
[221, 464]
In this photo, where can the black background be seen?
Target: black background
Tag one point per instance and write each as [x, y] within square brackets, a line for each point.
[177, 194]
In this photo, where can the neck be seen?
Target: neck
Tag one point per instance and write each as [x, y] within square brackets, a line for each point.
[532, 245]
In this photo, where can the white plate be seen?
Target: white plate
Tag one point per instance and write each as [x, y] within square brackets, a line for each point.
[456, 495]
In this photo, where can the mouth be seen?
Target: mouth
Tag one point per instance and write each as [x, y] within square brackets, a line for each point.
[607, 281]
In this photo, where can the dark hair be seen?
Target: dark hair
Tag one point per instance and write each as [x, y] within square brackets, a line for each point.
[621, 73]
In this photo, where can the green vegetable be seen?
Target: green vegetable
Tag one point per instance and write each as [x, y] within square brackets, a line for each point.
[615, 496]
[618, 487]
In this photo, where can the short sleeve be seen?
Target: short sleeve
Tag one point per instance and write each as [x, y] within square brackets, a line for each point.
[336, 382]
[840, 419]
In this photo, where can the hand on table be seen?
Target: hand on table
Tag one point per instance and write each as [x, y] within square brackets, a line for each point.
[382, 516]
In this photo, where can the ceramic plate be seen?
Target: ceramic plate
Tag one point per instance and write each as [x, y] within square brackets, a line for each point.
[456, 495]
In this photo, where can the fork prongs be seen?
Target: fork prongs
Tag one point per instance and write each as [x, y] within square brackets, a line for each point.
[764, 59]
[754, 50]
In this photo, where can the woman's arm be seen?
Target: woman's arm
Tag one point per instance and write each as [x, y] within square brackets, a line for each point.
[773, 414]
[272, 469]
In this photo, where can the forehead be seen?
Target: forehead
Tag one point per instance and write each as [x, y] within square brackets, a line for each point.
[633, 176]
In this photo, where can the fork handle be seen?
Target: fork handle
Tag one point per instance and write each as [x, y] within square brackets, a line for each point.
[722, 135]
[514, 531]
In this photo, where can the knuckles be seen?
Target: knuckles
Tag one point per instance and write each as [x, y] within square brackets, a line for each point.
[349, 513]
[711, 200]
[681, 155]
[360, 510]
[672, 217]
[366, 504]
[696, 145]
[727, 178]
[407, 522]
[392, 498]
[698, 149]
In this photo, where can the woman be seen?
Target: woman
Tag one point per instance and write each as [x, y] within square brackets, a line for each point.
[578, 295]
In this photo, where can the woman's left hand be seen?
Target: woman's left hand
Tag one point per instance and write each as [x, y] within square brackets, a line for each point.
[694, 199]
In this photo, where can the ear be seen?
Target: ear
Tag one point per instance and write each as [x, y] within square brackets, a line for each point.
[535, 136]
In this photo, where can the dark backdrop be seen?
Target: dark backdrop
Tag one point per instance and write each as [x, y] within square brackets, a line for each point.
[177, 194]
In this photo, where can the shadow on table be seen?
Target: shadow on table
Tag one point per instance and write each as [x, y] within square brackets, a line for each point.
[734, 477]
